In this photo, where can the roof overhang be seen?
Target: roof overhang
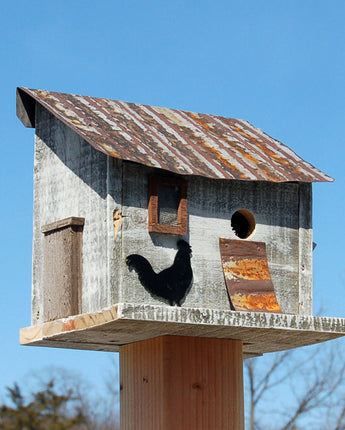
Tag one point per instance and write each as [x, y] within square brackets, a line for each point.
[26, 108]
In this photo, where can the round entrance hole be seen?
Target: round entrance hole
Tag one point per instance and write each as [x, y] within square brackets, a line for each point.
[243, 223]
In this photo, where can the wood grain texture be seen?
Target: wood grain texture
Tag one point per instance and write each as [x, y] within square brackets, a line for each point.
[115, 266]
[67, 222]
[184, 383]
[305, 269]
[72, 179]
[62, 281]
[125, 323]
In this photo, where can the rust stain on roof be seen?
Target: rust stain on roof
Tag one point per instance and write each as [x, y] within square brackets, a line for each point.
[182, 142]
[224, 160]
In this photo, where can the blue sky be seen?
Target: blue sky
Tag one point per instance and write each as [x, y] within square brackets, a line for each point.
[278, 64]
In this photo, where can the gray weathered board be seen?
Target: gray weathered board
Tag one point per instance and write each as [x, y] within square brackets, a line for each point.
[62, 243]
[124, 323]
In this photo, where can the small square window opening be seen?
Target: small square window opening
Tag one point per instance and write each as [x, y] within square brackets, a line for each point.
[167, 205]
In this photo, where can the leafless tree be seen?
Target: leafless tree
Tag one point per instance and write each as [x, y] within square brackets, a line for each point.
[111, 398]
[58, 398]
[297, 389]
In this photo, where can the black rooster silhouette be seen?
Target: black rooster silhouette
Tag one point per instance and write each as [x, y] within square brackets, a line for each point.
[171, 284]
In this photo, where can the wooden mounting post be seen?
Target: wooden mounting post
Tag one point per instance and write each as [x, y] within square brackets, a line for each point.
[185, 383]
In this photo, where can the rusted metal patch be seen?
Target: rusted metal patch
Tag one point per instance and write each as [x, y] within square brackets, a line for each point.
[247, 276]
[182, 142]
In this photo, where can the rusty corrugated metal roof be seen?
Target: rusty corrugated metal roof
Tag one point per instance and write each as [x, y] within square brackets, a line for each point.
[186, 143]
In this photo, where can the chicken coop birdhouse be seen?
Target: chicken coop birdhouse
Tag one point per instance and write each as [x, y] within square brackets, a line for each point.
[151, 221]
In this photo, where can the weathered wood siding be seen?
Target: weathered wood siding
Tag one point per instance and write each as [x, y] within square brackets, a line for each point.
[71, 179]
[280, 213]
[305, 250]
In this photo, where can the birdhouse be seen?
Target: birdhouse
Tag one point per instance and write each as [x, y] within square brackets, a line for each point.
[151, 221]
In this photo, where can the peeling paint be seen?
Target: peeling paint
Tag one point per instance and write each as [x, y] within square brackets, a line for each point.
[117, 219]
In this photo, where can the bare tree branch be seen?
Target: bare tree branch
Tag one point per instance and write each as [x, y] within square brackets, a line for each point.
[313, 381]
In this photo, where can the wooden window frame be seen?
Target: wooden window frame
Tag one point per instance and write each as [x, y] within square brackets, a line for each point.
[154, 181]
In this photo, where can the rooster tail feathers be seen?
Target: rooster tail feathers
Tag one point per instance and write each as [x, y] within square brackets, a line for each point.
[138, 263]
[146, 274]
[171, 284]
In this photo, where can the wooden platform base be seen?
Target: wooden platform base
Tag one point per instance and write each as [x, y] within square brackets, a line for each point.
[184, 383]
[124, 323]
